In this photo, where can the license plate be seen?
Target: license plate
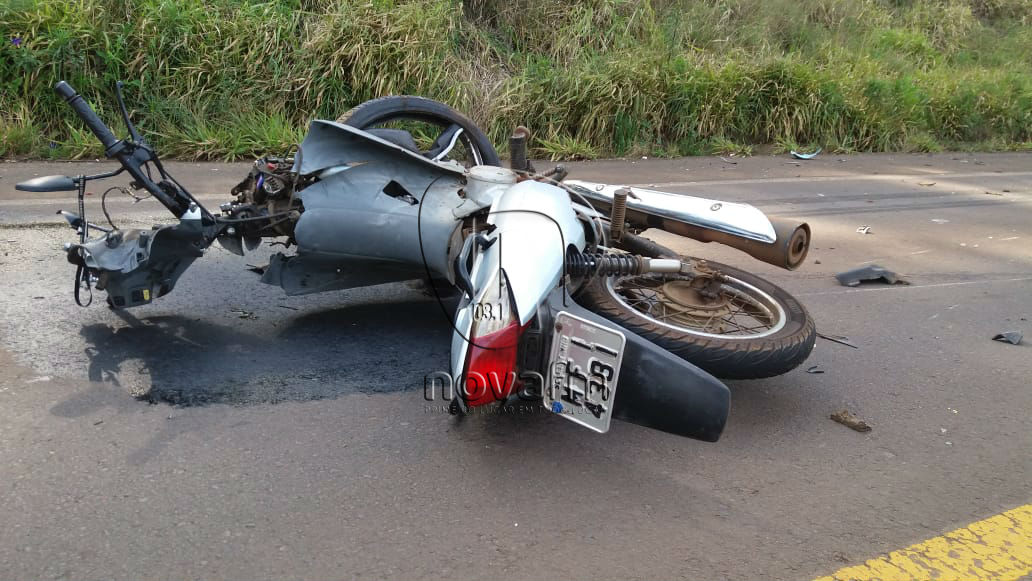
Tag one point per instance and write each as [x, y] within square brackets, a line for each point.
[583, 371]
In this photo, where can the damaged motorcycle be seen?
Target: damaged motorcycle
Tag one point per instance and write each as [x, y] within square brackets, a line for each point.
[553, 277]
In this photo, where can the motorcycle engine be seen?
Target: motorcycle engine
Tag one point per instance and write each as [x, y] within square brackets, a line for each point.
[268, 190]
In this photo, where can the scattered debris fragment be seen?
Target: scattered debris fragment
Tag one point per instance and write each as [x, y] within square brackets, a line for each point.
[816, 261]
[726, 160]
[865, 229]
[869, 273]
[850, 421]
[926, 183]
[288, 307]
[815, 369]
[1012, 337]
[244, 314]
[98, 422]
[988, 193]
[939, 220]
[798, 155]
[837, 339]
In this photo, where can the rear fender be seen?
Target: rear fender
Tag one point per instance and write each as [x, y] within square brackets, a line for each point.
[658, 389]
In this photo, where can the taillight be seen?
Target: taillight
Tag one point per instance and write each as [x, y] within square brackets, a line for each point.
[490, 373]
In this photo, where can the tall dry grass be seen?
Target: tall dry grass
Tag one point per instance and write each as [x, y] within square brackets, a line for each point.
[226, 79]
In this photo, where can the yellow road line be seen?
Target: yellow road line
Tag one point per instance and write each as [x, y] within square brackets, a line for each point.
[997, 548]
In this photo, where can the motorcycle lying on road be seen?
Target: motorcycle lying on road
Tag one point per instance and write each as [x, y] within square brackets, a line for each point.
[560, 297]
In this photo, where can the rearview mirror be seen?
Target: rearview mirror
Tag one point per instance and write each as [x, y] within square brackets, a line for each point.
[48, 184]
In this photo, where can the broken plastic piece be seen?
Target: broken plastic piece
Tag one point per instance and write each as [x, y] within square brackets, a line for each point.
[850, 421]
[241, 313]
[1012, 337]
[863, 229]
[798, 155]
[866, 273]
[814, 369]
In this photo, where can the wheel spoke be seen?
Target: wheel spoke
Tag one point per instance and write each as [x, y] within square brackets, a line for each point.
[737, 311]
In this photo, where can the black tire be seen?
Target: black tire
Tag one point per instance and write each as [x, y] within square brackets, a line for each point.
[385, 109]
[727, 358]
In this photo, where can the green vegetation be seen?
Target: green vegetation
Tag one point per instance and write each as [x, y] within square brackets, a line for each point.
[226, 79]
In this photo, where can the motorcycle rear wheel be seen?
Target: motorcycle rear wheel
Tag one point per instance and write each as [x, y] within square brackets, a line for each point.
[747, 328]
[397, 110]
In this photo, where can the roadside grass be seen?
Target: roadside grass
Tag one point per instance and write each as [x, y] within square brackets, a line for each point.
[229, 79]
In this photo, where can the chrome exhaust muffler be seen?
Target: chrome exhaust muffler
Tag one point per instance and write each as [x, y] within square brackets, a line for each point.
[781, 242]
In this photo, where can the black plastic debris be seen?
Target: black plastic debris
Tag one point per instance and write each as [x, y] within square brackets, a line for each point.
[1012, 337]
[814, 369]
[869, 273]
[837, 339]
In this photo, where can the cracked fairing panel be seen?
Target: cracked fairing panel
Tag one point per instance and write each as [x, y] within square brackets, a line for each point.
[330, 144]
[375, 201]
[126, 250]
[133, 249]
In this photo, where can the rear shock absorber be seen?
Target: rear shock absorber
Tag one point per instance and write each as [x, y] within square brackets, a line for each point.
[601, 264]
[618, 214]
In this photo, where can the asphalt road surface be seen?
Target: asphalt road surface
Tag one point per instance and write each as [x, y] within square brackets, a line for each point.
[228, 431]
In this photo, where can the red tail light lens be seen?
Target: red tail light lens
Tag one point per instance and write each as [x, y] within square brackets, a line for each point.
[494, 344]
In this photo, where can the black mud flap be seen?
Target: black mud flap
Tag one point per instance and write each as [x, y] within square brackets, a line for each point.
[658, 389]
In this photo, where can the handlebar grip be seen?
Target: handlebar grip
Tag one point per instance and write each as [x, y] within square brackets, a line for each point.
[87, 114]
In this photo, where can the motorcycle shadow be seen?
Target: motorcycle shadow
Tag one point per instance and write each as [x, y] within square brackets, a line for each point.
[355, 348]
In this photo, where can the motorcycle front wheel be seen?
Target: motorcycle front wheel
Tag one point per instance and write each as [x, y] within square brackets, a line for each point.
[726, 321]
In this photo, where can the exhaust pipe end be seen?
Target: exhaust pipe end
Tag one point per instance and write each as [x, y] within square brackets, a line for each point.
[792, 244]
[789, 249]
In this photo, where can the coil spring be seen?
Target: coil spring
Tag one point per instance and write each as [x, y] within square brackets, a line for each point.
[598, 263]
[619, 214]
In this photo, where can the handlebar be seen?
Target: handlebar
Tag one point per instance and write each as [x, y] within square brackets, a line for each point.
[89, 116]
[133, 156]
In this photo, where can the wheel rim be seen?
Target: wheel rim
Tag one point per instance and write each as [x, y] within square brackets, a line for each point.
[416, 125]
[711, 305]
